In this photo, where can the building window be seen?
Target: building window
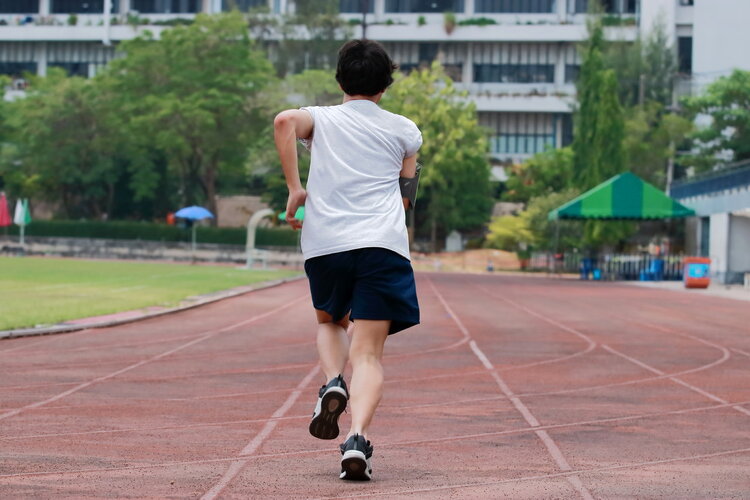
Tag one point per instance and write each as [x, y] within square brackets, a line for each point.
[73, 69]
[521, 143]
[687, 3]
[516, 6]
[80, 6]
[514, 73]
[17, 69]
[19, 6]
[168, 6]
[242, 5]
[571, 72]
[355, 6]
[685, 54]
[424, 5]
[609, 6]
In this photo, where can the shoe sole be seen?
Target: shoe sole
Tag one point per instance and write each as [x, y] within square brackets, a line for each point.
[355, 466]
[325, 424]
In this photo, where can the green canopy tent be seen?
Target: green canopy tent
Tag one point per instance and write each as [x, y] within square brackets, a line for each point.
[623, 197]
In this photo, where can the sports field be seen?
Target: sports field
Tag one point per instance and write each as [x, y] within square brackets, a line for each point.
[35, 291]
[512, 387]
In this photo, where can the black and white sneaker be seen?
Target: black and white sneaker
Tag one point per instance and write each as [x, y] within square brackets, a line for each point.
[356, 459]
[331, 403]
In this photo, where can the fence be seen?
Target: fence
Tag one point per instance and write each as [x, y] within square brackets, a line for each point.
[633, 267]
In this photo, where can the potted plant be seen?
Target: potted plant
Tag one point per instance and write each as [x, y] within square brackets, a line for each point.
[449, 22]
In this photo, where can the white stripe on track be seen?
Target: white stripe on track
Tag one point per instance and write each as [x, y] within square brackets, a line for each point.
[676, 380]
[164, 354]
[236, 467]
[548, 442]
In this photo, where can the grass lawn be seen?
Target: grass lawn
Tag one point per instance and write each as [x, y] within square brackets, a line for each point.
[40, 291]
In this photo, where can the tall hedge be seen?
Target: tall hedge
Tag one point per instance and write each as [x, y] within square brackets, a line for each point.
[124, 230]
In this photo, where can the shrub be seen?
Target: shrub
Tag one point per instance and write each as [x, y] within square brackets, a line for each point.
[127, 230]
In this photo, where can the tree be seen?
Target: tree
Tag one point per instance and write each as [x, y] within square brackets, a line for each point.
[727, 103]
[544, 173]
[599, 126]
[645, 69]
[455, 181]
[191, 95]
[67, 145]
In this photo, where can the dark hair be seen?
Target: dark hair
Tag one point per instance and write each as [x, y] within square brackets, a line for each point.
[364, 68]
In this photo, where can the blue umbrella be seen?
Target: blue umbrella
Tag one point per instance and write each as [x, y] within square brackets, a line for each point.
[194, 213]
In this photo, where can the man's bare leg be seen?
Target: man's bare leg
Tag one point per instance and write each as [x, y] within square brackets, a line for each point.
[366, 387]
[333, 344]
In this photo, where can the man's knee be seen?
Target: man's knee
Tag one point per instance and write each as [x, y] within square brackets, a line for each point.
[324, 317]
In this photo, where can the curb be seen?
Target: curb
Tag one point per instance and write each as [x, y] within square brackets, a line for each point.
[202, 300]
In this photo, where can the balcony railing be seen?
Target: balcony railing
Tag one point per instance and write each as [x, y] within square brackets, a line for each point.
[737, 176]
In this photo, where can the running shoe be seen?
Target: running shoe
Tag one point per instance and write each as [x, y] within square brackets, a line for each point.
[331, 404]
[356, 459]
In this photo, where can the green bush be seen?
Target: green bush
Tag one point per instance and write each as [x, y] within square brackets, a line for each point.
[126, 230]
[479, 21]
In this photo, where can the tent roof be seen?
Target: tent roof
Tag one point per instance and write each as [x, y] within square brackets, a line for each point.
[625, 196]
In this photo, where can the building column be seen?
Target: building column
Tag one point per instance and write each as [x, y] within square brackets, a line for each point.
[562, 10]
[41, 58]
[469, 6]
[467, 71]
[44, 7]
[379, 9]
[718, 246]
[124, 6]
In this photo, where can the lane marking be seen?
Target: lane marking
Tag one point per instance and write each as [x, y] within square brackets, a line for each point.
[572, 473]
[548, 442]
[164, 354]
[676, 380]
[327, 450]
[237, 465]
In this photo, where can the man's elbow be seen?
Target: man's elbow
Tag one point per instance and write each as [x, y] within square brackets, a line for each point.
[283, 121]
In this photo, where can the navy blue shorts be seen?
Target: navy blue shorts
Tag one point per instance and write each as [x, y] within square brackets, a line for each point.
[368, 283]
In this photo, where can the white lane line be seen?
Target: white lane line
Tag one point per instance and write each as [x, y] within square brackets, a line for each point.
[572, 473]
[148, 360]
[236, 467]
[548, 442]
[314, 451]
[676, 380]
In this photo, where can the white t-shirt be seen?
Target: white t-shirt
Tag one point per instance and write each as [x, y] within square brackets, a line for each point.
[353, 196]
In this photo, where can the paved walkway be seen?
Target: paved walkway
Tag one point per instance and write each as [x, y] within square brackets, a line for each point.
[511, 388]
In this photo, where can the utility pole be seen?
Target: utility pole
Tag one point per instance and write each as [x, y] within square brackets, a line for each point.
[364, 4]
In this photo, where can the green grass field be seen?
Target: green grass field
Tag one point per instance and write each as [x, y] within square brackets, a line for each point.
[41, 291]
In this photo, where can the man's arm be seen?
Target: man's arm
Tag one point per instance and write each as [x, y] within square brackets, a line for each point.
[408, 171]
[287, 127]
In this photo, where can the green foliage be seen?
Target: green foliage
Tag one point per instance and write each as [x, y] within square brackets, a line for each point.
[455, 186]
[449, 22]
[727, 102]
[421, 21]
[66, 145]
[544, 173]
[650, 139]
[532, 230]
[599, 126]
[126, 230]
[509, 232]
[191, 96]
[477, 21]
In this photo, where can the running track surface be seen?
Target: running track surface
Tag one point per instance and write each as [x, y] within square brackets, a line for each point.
[512, 387]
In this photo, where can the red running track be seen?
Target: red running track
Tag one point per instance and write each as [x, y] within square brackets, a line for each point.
[512, 387]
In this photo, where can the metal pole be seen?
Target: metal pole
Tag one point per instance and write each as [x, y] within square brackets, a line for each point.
[193, 245]
[23, 229]
[364, 5]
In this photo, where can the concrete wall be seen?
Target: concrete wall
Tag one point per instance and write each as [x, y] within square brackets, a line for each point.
[719, 246]
[720, 36]
[654, 12]
[739, 248]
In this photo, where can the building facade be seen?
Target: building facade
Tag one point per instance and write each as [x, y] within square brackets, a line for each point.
[519, 67]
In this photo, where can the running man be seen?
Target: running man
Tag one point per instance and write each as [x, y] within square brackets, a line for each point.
[363, 176]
